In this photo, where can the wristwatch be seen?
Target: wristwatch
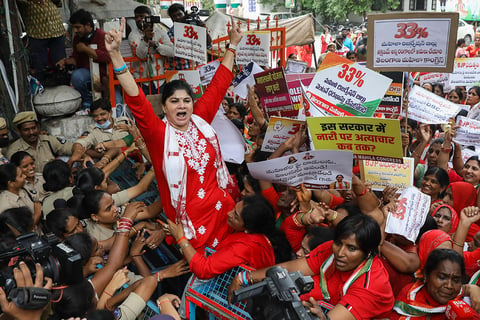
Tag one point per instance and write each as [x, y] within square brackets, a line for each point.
[231, 46]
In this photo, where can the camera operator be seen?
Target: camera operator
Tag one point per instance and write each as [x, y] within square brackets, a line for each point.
[148, 39]
[23, 278]
[177, 13]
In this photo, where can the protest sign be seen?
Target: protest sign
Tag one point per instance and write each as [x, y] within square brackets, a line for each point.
[273, 90]
[392, 100]
[467, 153]
[412, 41]
[310, 109]
[190, 42]
[278, 131]
[468, 132]
[244, 77]
[368, 138]
[344, 88]
[207, 71]
[295, 66]
[232, 143]
[386, 174]
[412, 210]
[192, 77]
[315, 169]
[465, 72]
[436, 77]
[427, 107]
[254, 46]
[294, 83]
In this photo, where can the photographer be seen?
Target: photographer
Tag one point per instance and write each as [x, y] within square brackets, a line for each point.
[147, 39]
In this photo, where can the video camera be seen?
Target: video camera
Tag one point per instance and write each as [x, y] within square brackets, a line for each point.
[192, 17]
[278, 296]
[59, 262]
[149, 21]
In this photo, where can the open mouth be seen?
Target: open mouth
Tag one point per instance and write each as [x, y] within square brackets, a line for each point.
[181, 115]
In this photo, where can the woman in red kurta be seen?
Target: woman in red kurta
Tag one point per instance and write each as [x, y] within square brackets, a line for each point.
[255, 243]
[191, 174]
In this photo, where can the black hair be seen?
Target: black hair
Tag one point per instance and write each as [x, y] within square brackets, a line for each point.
[75, 301]
[100, 315]
[101, 103]
[339, 175]
[366, 231]
[318, 235]
[83, 17]
[8, 173]
[91, 203]
[440, 174]
[18, 156]
[21, 219]
[460, 42]
[57, 175]
[459, 93]
[172, 86]
[142, 10]
[229, 100]
[240, 108]
[239, 124]
[412, 123]
[82, 243]
[476, 89]
[437, 141]
[87, 180]
[473, 158]
[351, 53]
[174, 8]
[56, 221]
[259, 217]
[430, 84]
[254, 183]
[430, 224]
[438, 85]
[439, 255]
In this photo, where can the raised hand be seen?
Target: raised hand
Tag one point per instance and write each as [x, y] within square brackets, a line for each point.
[113, 38]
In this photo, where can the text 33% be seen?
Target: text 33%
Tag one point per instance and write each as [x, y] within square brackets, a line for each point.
[252, 40]
[350, 73]
[410, 30]
[190, 33]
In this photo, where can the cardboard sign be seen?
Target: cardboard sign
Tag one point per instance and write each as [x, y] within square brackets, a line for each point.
[278, 131]
[192, 77]
[392, 100]
[190, 42]
[427, 107]
[344, 88]
[468, 132]
[244, 77]
[368, 138]
[384, 174]
[465, 72]
[273, 90]
[254, 46]
[412, 210]
[295, 66]
[315, 169]
[207, 71]
[412, 41]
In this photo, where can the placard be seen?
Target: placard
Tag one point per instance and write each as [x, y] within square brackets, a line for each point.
[280, 130]
[295, 66]
[386, 174]
[412, 210]
[412, 41]
[392, 100]
[273, 91]
[465, 72]
[244, 77]
[294, 83]
[315, 169]
[190, 42]
[344, 88]
[368, 138]
[207, 71]
[427, 107]
[254, 46]
[468, 133]
[192, 77]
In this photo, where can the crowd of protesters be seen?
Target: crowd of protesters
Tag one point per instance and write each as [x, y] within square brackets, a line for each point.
[337, 236]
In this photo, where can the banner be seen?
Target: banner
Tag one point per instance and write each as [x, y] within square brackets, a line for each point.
[392, 100]
[386, 174]
[368, 138]
[192, 77]
[273, 91]
[427, 107]
[315, 169]
[412, 210]
[344, 88]
[207, 71]
[465, 72]
[412, 41]
[190, 42]
[254, 46]
[294, 83]
[244, 77]
[278, 131]
[468, 133]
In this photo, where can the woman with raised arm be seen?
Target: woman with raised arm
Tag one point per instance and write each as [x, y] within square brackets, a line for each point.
[184, 147]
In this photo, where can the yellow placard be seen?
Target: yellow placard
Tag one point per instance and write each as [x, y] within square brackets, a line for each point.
[383, 174]
[368, 138]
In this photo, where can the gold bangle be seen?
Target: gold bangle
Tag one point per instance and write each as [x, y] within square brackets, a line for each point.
[332, 218]
[457, 243]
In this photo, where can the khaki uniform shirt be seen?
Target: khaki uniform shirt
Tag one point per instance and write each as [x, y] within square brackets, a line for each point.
[10, 200]
[35, 189]
[48, 202]
[97, 135]
[48, 148]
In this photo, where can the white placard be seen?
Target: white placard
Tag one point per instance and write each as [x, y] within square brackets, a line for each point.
[254, 46]
[280, 130]
[315, 169]
[468, 132]
[232, 143]
[465, 72]
[208, 71]
[412, 210]
[244, 77]
[427, 107]
[190, 42]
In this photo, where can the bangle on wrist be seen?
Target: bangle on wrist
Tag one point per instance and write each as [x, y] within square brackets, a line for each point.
[333, 217]
[232, 46]
[181, 239]
[108, 294]
[122, 68]
[361, 194]
[457, 243]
